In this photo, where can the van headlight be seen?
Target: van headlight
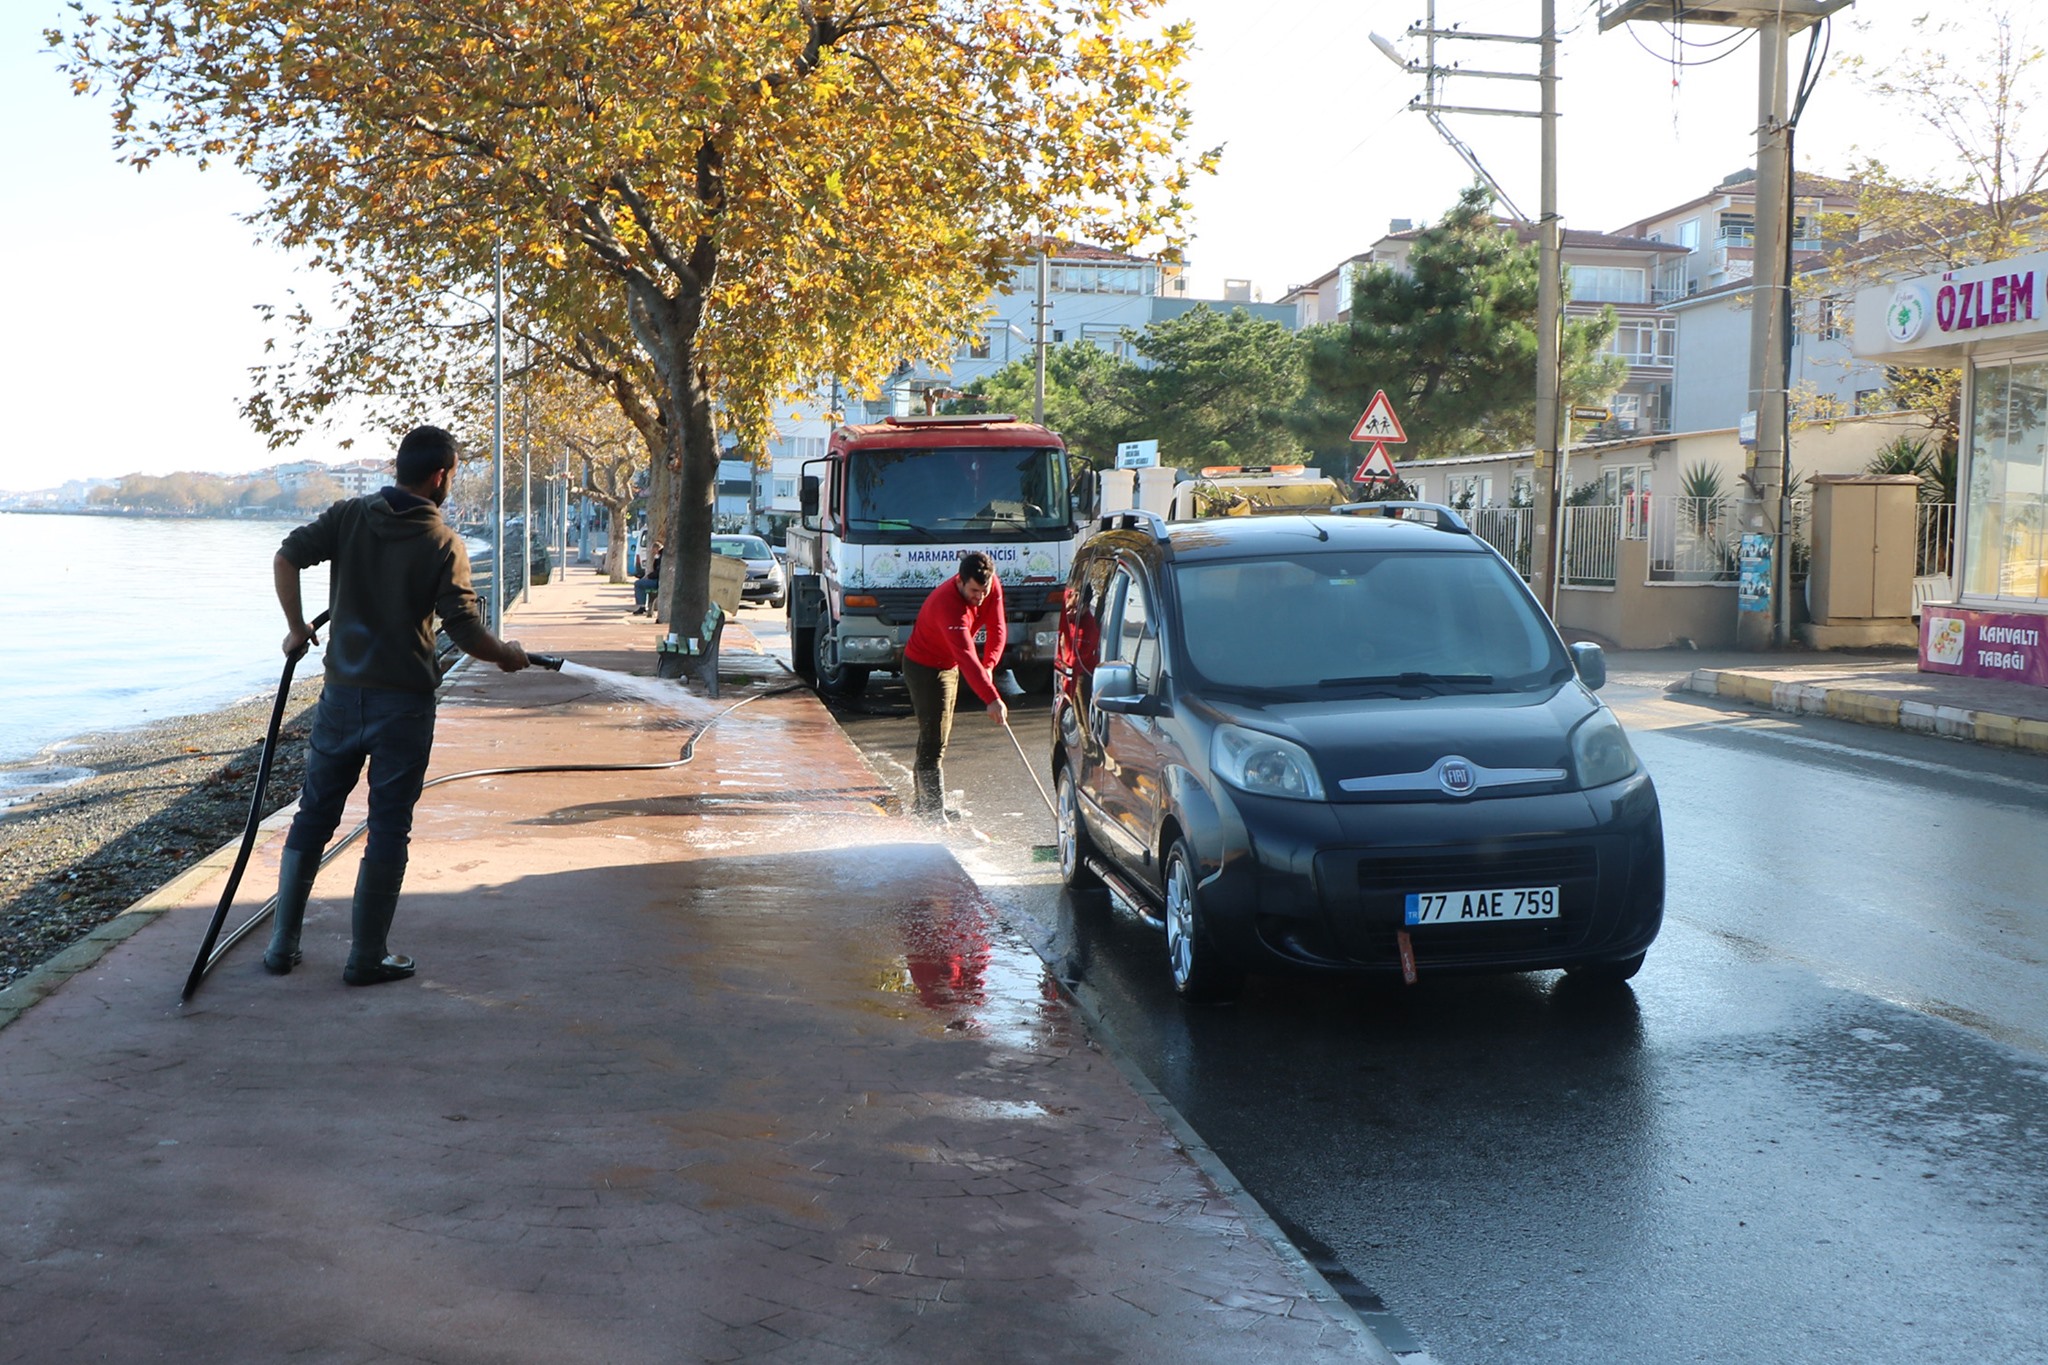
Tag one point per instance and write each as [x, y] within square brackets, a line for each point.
[1264, 764]
[1600, 750]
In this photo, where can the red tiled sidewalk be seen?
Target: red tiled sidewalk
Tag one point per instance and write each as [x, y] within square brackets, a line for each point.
[719, 1062]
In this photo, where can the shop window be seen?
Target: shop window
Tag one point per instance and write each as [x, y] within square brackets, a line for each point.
[2005, 537]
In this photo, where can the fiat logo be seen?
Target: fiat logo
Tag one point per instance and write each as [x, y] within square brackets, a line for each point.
[1456, 777]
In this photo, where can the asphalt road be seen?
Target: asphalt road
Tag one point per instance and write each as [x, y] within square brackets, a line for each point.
[1815, 1130]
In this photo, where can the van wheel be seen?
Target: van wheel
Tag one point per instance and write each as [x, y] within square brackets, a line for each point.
[1599, 973]
[1076, 848]
[836, 679]
[1199, 973]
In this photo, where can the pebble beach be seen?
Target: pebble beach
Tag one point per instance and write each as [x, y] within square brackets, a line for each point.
[147, 803]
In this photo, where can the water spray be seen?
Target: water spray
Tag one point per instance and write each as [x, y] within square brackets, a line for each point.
[213, 948]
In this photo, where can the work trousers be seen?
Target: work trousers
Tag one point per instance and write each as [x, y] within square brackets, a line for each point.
[932, 692]
[393, 732]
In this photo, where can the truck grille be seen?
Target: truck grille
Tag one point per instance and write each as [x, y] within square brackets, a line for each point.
[899, 606]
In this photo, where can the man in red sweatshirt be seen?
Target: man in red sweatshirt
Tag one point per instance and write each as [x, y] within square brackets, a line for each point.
[942, 651]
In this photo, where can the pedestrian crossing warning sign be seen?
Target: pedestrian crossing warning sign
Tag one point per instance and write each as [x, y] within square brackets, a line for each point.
[1379, 423]
[1378, 466]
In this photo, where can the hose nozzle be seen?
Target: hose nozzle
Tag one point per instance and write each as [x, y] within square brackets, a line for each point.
[551, 662]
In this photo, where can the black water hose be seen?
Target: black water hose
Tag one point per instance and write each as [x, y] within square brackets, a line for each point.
[211, 952]
[227, 897]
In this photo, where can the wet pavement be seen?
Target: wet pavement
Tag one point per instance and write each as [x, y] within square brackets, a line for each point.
[718, 1060]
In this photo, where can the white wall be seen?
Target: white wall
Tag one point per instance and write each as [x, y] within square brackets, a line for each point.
[1712, 389]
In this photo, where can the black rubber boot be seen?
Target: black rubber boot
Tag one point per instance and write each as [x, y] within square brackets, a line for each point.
[929, 799]
[295, 873]
[377, 886]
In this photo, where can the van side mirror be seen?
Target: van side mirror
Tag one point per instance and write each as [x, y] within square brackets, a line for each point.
[1591, 662]
[1117, 691]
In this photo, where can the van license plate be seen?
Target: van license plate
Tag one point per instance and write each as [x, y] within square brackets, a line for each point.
[1470, 907]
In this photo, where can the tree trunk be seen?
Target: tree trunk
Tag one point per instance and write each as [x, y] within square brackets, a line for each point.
[686, 573]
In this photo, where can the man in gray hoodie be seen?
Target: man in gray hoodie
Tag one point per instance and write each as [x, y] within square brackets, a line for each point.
[396, 565]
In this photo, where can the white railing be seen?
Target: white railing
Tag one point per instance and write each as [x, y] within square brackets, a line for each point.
[1694, 540]
[1934, 538]
[1506, 529]
[1590, 537]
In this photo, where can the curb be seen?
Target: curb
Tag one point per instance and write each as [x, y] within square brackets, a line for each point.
[39, 984]
[1260, 1223]
[1869, 708]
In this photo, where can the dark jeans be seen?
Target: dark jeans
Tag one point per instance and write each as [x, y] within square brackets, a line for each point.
[643, 591]
[932, 693]
[394, 732]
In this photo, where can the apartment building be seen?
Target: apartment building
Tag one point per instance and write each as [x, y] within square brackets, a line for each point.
[1707, 297]
[1603, 270]
[1093, 294]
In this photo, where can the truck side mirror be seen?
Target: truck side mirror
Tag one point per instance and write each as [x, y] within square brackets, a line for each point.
[807, 501]
[1085, 491]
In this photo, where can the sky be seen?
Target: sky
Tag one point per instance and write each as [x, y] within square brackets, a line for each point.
[134, 294]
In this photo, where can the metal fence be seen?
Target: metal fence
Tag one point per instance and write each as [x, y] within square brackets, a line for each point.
[1590, 537]
[1934, 538]
[1506, 529]
[1694, 540]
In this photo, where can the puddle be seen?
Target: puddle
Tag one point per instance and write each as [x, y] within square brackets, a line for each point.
[18, 786]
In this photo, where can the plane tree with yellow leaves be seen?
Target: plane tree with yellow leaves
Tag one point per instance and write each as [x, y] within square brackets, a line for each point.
[746, 195]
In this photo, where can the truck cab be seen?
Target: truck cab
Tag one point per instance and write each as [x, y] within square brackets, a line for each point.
[886, 515]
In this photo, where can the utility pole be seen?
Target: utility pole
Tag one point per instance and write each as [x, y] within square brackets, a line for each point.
[1544, 555]
[1547, 542]
[1770, 319]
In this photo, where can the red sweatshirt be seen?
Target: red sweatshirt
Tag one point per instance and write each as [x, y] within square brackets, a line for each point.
[944, 634]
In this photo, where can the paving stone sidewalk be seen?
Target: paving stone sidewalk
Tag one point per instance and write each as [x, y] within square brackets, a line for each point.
[719, 1061]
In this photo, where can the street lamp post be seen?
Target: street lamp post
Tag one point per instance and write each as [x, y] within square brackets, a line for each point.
[498, 441]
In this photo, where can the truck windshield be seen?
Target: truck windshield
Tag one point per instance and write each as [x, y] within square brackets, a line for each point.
[1346, 623]
[988, 490]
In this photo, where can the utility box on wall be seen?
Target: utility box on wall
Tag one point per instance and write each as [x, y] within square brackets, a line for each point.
[1860, 588]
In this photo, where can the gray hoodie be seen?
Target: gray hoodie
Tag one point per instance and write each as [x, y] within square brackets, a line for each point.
[396, 565]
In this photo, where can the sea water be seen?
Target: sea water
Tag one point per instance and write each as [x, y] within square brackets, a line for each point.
[110, 622]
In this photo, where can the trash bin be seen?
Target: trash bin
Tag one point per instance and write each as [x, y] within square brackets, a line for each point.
[543, 570]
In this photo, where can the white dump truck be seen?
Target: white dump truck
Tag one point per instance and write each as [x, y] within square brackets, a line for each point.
[886, 515]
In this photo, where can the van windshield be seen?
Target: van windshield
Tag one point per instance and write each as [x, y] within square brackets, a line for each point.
[1338, 623]
[986, 489]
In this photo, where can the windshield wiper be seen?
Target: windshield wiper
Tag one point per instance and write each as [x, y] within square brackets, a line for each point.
[1411, 680]
[890, 525]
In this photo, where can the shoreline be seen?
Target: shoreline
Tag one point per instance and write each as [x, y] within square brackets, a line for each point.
[156, 799]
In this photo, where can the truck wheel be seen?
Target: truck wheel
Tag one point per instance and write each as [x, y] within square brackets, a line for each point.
[1035, 677]
[803, 652]
[835, 679]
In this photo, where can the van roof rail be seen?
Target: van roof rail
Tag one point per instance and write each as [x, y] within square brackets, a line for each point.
[1443, 517]
[969, 419]
[1133, 519]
